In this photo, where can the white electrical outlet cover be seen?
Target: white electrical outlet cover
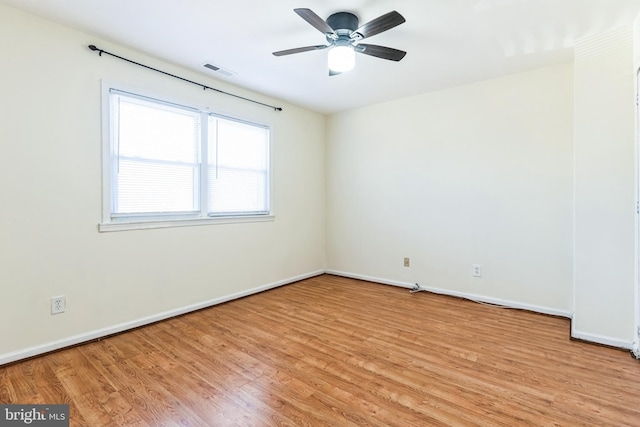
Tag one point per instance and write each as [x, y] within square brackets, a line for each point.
[58, 304]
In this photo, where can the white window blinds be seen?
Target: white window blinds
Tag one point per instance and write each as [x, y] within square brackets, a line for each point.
[156, 164]
[238, 167]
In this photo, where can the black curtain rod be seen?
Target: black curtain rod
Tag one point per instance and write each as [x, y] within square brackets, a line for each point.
[205, 87]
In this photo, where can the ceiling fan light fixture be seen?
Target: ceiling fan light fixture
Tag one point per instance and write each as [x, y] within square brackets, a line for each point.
[342, 58]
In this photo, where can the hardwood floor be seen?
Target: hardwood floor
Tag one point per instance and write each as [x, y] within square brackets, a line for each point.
[331, 351]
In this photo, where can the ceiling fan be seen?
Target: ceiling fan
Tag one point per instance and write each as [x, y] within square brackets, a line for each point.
[344, 35]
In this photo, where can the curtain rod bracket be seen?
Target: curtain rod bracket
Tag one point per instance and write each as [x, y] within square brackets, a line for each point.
[204, 87]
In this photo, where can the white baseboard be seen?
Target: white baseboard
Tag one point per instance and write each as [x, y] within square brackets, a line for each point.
[635, 351]
[594, 338]
[92, 335]
[599, 339]
[371, 279]
[473, 297]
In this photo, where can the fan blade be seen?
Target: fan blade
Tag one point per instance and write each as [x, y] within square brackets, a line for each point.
[313, 19]
[380, 24]
[381, 51]
[299, 50]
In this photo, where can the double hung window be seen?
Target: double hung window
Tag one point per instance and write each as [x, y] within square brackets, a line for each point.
[168, 163]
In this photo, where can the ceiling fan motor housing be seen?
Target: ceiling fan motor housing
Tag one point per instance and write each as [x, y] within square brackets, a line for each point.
[343, 21]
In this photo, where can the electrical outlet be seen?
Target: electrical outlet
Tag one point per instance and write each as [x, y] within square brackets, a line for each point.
[477, 270]
[406, 262]
[58, 304]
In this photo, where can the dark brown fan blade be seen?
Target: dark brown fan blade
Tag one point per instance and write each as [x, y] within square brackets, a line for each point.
[300, 50]
[380, 24]
[313, 19]
[381, 51]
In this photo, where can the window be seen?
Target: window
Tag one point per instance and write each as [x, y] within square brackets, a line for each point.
[168, 164]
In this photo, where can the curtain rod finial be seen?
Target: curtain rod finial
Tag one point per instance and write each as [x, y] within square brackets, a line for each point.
[93, 47]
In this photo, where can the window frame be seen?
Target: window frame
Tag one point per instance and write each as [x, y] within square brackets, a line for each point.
[120, 222]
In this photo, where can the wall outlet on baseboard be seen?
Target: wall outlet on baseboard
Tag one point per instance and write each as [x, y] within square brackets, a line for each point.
[407, 262]
[58, 304]
[477, 270]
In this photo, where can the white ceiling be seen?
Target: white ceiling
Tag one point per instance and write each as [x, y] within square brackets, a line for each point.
[449, 42]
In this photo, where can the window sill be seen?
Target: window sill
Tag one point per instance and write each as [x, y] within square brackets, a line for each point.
[144, 225]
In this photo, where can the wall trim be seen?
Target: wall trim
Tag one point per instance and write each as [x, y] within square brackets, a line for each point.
[584, 336]
[600, 339]
[473, 297]
[371, 279]
[121, 327]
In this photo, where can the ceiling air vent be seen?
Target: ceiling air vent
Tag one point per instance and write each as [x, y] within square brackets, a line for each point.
[218, 70]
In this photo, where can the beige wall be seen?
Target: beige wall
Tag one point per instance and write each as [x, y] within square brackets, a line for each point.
[479, 174]
[530, 175]
[636, 67]
[50, 169]
[605, 190]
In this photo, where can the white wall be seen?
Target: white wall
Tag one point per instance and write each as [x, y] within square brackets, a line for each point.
[532, 175]
[475, 174]
[636, 67]
[50, 169]
[605, 191]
